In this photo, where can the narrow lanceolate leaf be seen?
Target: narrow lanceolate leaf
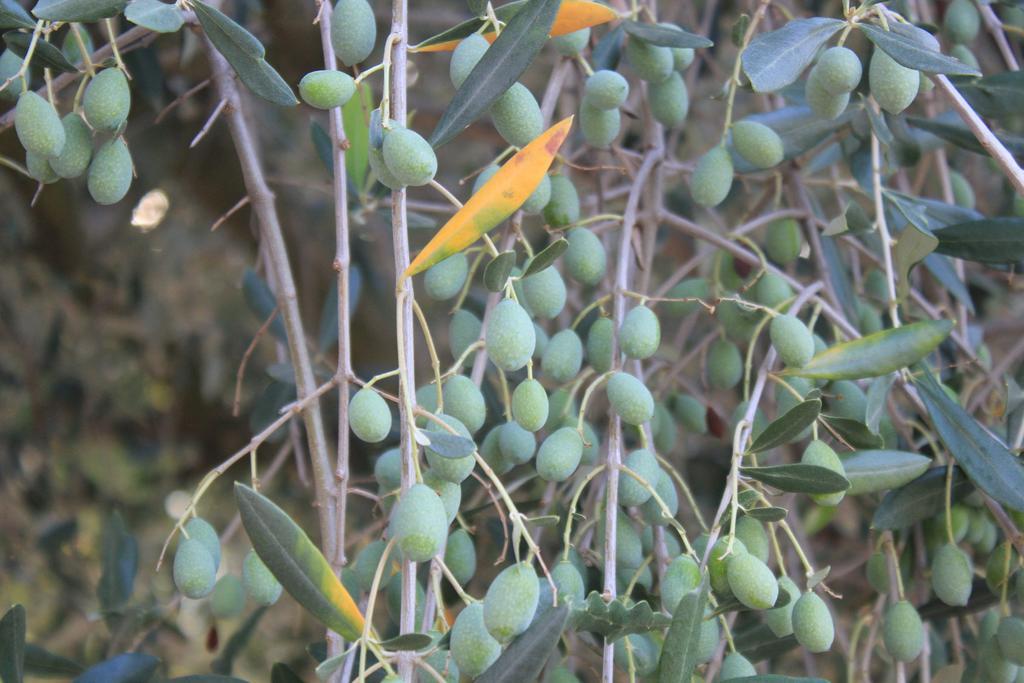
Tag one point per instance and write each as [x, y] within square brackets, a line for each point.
[13, 15]
[913, 246]
[997, 96]
[873, 471]
[986, 461]
[297, 563]
[915, 48]
[666, 36]
[854, 432]
[799, 478]
[573, 15]
[770, 514]
[679, 653]
[237, 642]
[526, 656]
[921, 499]
[784, 429]
[775, 59]
[12, 645]
[445, 444]
[407, 642]
[130, 667]
[500, 196]
[546, 257]
[77, 10]
[45, 54]
[876, 354]
[497, 271]
[498, 69]
[952, 131]
[120, 552]
[42, 663]
[991, 240]
[154, 15]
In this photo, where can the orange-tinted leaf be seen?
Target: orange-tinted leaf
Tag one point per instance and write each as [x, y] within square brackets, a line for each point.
[573, 15]
[498, 199]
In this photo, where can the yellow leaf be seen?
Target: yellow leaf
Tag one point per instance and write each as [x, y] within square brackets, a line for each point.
[498, 199]
[573, 15]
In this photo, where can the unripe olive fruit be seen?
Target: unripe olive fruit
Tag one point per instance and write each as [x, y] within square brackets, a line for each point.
[387, 470]
[712, 177]
[517, 444]
[961, 52]
[640, 334]
[449, 492]
[409, 157]
[327, 88]
[353, 31]
[783, 241]
[641, 649]
[736, 665]
[780, 619]
[681, 576]
[751, 581]
[963, 193]
[691, 288]
[903, 631]
[369, 416]
[570, 44]
[560, 674]
[666, 490]
[792, 340]
[591, 443]
[630, 399]
[39, 168]
[725, 365]
[996, 668]
[74, 158]
[539, 198]
[463, 401]
[259, 582]
[559, 455]
[1001, 566]
[772, 290]
[718, 563]
[465, 56]
[877, 571]
[517, 116]
[824, 104]
[445, 279]
[511, 601]
[453, 469]
[10, 64]
[821, 454]
[605, 89]
[962, 21]
[600, 127]
[418, 523]
[472, 647]
[228, 598]
[199, 529]
[691, 413]
[757, 143]
[754, 537]
[561, 407]
[707, 641]
[107, 100]
[530, 405]
[952, 575]
[545, 293]
[585, 258]
[838, 70]
[669, 100]
[1011, 639]
[644, 464]
[599, 344]
[893, 85]
[663, 429]
[375, 156]
[463, 330]
[652, 63]
[38, 126]
[569, 582]
[564, 205]
[194, 569]
[812, 623]
[563, 356]
[510, 336]
[366, 562]
[846, 399]
[110, 172]
[629, 547]
[460, 556]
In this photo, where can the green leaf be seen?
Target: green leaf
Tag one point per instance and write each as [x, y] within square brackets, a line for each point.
[789, 426]
[906, 44]
[244, 52]
[775, 59]
[13, 15]
[997, 96]
[771, 514]
[78, 10]
[990, 240]
[875, 400]
[120, 553]
[524, 658]
[798, 478]
[42, 663]
[913, 245]
[497, 271]
[407, 642]
[776, 678]
[546, 257]
[322, 145]
[458, 32]
[328, 332]
[608, 51]
[921, 499]
[262, 302]
[445, 444]
[206, 678]
[282, 673]
[853, 432]
[878, 470]
[956, 133]
[45, 54]
[356, 117]
[130, 667]
[876, 354]
[986, 461]
[679, 653]
[614, 619]
[498, 69]
[154, 15]
[759, 643]
[12, 645]
[297, 563]
[665, 36]
[237, 642]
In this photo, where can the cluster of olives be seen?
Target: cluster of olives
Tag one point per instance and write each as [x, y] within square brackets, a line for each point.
[196, 562]
[57, 147]
[960, 26]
